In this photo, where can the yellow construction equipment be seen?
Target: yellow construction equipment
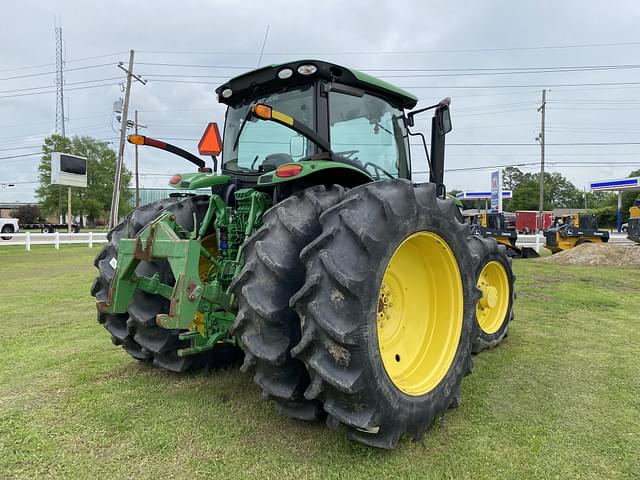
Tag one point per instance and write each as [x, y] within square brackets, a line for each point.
[569, 231]
[633, 229]
[493, 225]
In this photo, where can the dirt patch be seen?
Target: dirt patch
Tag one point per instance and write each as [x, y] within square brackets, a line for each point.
[598, 254]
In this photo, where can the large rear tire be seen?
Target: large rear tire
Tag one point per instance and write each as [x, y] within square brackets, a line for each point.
[272, 273]
[387, 311]
[495, 279]
[136, 331]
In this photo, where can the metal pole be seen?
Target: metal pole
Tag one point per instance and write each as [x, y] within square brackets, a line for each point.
[619, 216]
[137, 177]
[541, 109]
[115, 198]
[69, 210]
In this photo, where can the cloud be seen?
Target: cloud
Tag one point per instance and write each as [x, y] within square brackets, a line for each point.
[343, 32]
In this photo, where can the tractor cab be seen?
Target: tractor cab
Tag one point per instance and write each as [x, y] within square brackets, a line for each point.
[309, 122]
[568, 231]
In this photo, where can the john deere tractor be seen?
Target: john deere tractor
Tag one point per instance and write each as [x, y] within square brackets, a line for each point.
[569, 231]
[355, 295]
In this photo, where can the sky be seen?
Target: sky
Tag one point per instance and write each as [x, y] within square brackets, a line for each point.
[493, 58]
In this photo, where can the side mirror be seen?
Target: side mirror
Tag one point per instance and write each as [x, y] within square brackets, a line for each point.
[444, 120]
[297, 146]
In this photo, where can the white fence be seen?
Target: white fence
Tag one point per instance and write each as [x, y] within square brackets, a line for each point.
[537, 241]
[28, 239]
[56, 239]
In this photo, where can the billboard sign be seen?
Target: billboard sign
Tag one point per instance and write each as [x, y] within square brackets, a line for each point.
[496, 191]
[68, 170]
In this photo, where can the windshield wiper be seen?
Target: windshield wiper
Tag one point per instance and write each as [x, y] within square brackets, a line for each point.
[244, 122]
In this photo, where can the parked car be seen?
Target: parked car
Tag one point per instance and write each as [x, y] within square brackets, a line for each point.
[8, 225]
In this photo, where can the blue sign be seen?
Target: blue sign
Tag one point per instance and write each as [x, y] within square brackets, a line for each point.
[616, 184]
[496, 191]
[467, 195]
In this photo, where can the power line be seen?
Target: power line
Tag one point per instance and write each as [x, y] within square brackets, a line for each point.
[74, 60]
[540, 85]
[66, 84]
[403, 52]
[53, 72]
[53, 91]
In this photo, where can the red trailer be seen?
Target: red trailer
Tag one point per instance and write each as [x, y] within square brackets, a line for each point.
[527, 221]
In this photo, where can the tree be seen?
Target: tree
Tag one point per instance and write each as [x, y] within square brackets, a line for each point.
[27, 214]
[93, 201]
[511, 177]
[558, 192]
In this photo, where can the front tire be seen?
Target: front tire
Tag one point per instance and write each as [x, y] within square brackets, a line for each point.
[370, 244]
[7, 229]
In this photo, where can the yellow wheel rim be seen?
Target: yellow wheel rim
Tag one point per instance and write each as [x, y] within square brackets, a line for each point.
[420, 311]
[491, 310]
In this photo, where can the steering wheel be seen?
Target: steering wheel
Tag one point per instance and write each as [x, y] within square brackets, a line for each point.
[377, 169]
[348, 154]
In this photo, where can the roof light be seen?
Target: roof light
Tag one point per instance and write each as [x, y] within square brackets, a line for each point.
[175, 179]
[285, 73]
[288, 170]
[307, 69]
[226, 93]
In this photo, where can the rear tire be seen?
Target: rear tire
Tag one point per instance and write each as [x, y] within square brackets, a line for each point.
[340, 309]
[493, 271]
[272, 273]
[136, 331]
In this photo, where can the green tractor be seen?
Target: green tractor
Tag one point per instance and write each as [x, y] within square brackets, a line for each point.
[353, 295]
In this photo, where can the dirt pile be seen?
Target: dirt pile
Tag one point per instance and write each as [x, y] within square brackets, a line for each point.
[598, 254]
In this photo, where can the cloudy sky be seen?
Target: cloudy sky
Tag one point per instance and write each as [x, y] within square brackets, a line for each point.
[492, 58]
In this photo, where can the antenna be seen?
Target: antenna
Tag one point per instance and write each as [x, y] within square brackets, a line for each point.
[59, 84]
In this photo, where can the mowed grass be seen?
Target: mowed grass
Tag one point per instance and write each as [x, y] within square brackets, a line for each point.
[559, 399]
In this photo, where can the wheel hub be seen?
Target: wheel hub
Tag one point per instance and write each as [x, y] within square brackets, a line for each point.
[492, 307]
[419, 313]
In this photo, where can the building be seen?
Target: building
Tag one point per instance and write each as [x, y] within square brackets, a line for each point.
[7, 207]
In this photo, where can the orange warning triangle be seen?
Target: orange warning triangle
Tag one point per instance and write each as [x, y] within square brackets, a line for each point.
[210, 143]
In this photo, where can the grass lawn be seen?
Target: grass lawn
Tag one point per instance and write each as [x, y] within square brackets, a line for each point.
[559, 399]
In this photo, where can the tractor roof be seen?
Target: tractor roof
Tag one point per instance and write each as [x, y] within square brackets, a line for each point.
[266, 79]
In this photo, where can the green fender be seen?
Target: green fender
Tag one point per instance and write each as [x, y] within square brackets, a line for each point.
[197, 180]
[320, 171]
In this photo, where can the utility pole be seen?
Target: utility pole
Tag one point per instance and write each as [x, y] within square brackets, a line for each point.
[542, 109]
[115, 198]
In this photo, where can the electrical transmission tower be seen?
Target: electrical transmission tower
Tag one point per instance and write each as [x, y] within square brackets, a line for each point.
[59, 84]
